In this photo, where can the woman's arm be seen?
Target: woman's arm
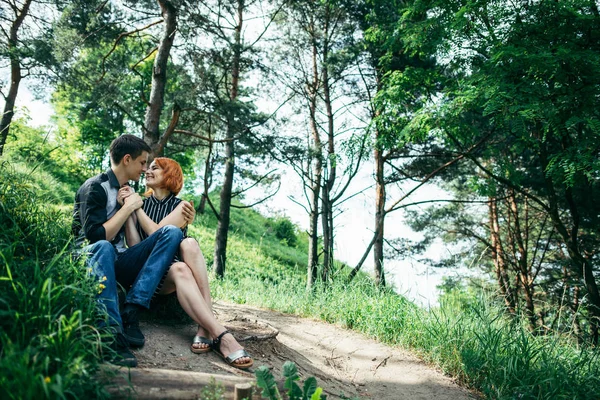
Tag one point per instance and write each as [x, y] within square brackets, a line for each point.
[178, 217]
[132, 236]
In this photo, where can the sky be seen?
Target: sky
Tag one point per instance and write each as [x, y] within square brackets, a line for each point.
[353, 227]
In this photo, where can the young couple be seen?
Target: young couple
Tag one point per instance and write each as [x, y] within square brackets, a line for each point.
[139, 244]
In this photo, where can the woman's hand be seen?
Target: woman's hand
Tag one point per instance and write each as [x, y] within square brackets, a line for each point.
[188, 211]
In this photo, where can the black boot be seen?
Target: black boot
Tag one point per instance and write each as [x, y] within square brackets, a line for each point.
[121, 355]
[131, 326]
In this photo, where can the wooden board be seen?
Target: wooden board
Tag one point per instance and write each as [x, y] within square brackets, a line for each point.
[154, 383]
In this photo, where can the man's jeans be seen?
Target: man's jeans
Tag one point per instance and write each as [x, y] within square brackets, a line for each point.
[141, 266]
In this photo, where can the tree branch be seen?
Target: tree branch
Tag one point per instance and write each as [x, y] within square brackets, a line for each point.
[121, 36]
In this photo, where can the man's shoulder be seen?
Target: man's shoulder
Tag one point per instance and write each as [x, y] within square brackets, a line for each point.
[95, 182]
[99, 178]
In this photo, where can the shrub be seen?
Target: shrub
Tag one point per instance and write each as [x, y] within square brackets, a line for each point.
[285, 231]
[50, 347]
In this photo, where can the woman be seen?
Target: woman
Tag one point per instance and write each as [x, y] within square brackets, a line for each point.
[187, 277]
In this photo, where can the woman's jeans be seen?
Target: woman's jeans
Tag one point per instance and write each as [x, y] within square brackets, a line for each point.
[141, 266]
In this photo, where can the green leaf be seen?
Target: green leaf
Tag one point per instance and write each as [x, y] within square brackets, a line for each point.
[290, 372]
[317, 394]
[265, 381]
[310, 388]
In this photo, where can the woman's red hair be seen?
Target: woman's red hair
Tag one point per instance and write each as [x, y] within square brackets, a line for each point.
[172, 174]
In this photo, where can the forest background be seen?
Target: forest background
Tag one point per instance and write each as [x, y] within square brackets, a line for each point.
[495, 103]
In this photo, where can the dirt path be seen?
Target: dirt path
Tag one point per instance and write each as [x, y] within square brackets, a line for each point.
[346, 364]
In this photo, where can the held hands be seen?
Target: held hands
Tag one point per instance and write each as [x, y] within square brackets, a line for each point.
[124, 192]
[188, 211]
[133, 202]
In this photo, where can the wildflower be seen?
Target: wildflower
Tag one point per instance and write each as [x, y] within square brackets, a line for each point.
[101, 287]
[47, 379]
[104, 279]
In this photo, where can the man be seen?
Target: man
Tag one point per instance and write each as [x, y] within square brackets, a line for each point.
[98, 226]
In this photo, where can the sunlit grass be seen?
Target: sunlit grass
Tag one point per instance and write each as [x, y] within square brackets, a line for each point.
[472, 340]
[50, 348]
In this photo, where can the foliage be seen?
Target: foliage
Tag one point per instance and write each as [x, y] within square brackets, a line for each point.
[286, 231]
[509, 97]
[469, 336]
[57, 155]
[266, 381]
[214, 391]
[48, 311]
[251, 225]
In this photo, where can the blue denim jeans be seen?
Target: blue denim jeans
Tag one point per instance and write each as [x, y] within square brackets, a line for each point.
[139, 269]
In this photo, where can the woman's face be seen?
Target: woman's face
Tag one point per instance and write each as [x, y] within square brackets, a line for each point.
[154, 176]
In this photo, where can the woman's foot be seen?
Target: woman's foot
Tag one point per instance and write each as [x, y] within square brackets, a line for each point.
[231, 351]
[201, 343]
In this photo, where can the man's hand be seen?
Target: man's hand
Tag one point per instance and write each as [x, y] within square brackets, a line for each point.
[124, 192]
[188, 211]
[133, 202]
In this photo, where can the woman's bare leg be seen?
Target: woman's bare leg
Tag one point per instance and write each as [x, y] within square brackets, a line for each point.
[193, 257]
[180, 278]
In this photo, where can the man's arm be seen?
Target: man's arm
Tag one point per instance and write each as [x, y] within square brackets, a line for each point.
[114, 224]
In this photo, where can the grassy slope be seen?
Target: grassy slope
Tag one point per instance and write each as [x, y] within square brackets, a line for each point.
[468, 338]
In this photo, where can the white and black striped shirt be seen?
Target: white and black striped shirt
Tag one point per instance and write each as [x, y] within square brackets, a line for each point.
[158, 209]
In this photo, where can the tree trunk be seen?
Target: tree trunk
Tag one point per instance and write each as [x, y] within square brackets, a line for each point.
[327, 224]
[327, 206]
[523, 263]
[379, 213]
[582, 266]
[317, 169]
[15, 75]
[225, 199]
[313, 238]
[159, 79]
[575, 309]
[208, 171]
[499, 258]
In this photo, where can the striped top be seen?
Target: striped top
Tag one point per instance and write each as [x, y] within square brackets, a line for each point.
[158, 209]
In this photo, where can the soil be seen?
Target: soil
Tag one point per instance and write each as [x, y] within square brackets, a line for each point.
[345, 363]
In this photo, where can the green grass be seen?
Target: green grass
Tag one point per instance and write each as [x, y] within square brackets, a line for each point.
[50, 348]
[470, 338]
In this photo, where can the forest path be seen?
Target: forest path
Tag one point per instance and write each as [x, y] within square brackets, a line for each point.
[345, 363]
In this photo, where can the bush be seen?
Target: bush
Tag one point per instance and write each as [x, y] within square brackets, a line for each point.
[285, 231]
[48, 342]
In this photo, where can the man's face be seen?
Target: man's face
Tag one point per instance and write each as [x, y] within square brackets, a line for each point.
[135, 166]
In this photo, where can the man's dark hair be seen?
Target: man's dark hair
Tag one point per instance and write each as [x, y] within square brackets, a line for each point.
[127, 144]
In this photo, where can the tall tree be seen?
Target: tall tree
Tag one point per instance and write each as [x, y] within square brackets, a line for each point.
[234, 52]
[318, 56]
[530, 91]
[401, 81]
[22, 46]
[156, 101]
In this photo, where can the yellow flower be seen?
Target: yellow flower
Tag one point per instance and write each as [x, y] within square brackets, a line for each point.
[47, 379]
[101, 287]
[104, 279]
